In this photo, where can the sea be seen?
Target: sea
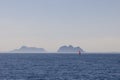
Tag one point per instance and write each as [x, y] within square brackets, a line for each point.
[35, 66]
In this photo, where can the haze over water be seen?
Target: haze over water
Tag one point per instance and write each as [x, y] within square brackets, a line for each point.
[32, 27]
[91, 24]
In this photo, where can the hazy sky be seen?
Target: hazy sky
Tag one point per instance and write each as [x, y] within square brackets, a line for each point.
[94, 25]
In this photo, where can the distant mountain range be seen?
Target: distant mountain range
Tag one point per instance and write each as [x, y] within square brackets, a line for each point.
[62, 49]
[25, 49]
[69, 49]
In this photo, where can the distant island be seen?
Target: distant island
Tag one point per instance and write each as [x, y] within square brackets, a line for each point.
[62, 49]
[25, 49]
[69, 49]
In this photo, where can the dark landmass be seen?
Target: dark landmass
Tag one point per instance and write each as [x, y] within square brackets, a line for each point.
[25, 49]
[69, 49]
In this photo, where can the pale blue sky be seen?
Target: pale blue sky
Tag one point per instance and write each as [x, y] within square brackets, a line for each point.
[94, 25]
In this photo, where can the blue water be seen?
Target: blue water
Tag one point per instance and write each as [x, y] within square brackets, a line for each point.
[59, 67]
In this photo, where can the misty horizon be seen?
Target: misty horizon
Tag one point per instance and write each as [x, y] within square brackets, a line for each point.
[31, 49]
[59, 39]
[91, 24]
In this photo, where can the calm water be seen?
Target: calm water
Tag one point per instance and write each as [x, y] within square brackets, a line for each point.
[59, 67]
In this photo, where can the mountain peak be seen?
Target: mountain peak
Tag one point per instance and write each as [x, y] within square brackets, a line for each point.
[23, 47]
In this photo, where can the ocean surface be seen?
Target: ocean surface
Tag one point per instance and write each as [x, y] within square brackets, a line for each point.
[59, 66]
